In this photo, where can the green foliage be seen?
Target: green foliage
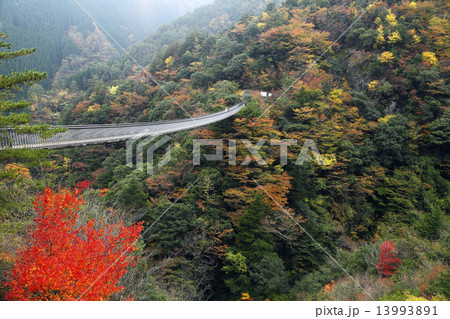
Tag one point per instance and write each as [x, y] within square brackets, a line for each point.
[234, 69]
[251, 238]
[141, 284]
[252, 110]
[361, 260]
[14, 82]
[393, 142]
[430, 223]
[201, 79]
[50, 25]
[129, 191]
[366, 107]
[441, 285]
[211, 18]
[171, 229]
[440, 133]
[269, 278]
[11, 114]
[235, 263]
[314, 281]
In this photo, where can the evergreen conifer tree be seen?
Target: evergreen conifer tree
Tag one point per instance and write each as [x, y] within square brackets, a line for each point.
[11, 107]
[430, 223]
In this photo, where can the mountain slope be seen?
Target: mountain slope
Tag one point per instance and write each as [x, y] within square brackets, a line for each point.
[46, 25]
[210, 19]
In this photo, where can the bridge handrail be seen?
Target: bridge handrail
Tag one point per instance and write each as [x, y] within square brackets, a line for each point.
[80, 134]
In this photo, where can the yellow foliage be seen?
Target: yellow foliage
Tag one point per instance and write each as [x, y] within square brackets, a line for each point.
[438, 24]
[410, 297]
[94, 107]
[19, 170]
[438, 297]
[386, 57]
[386, 118]
[265, 16]
[372, 86]
[261, 25]
[244, 296]
[416, 38]
[413, 5]
[169, 61]
[113, 90]
[429, 57]
[66, 163]
[329, 159]
[380, 36]
[391, 18]
[394, 37]
[336, 96]
[195, 66]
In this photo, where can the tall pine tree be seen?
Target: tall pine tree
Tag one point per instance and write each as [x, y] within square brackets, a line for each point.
[252, 240]
[11, 108]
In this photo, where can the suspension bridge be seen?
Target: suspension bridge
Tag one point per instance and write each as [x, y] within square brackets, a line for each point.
[80, 135]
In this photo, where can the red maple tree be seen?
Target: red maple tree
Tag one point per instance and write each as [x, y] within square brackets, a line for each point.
[388, 259]
[81, 186]
[68, 261]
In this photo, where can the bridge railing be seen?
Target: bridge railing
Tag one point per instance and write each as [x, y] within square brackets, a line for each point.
[77, 135]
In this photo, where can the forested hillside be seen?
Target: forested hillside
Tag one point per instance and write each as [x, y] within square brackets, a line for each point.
[208, 19]
[376, 106]
[49, 25]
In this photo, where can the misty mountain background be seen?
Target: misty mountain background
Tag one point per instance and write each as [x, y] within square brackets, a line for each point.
[59, 29]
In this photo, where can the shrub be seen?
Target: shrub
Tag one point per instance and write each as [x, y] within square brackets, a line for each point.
[388, 259]
[69, 261]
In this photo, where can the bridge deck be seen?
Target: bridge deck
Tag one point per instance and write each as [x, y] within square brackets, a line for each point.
[79, 135]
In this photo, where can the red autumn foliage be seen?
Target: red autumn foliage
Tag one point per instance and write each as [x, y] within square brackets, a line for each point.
[81, 186]
[68, 261]
[388, 259]
[79, 166]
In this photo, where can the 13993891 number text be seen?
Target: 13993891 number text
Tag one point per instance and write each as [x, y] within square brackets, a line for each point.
[406, 310]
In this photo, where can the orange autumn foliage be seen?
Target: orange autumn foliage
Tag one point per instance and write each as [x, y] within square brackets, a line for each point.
[329, 287]
[18, 170]
[103, 192]
[245, 296]
[69, 261]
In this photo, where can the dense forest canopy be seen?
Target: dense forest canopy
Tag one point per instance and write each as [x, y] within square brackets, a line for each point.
[51, 27]
[209, 19]
[375, 104]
